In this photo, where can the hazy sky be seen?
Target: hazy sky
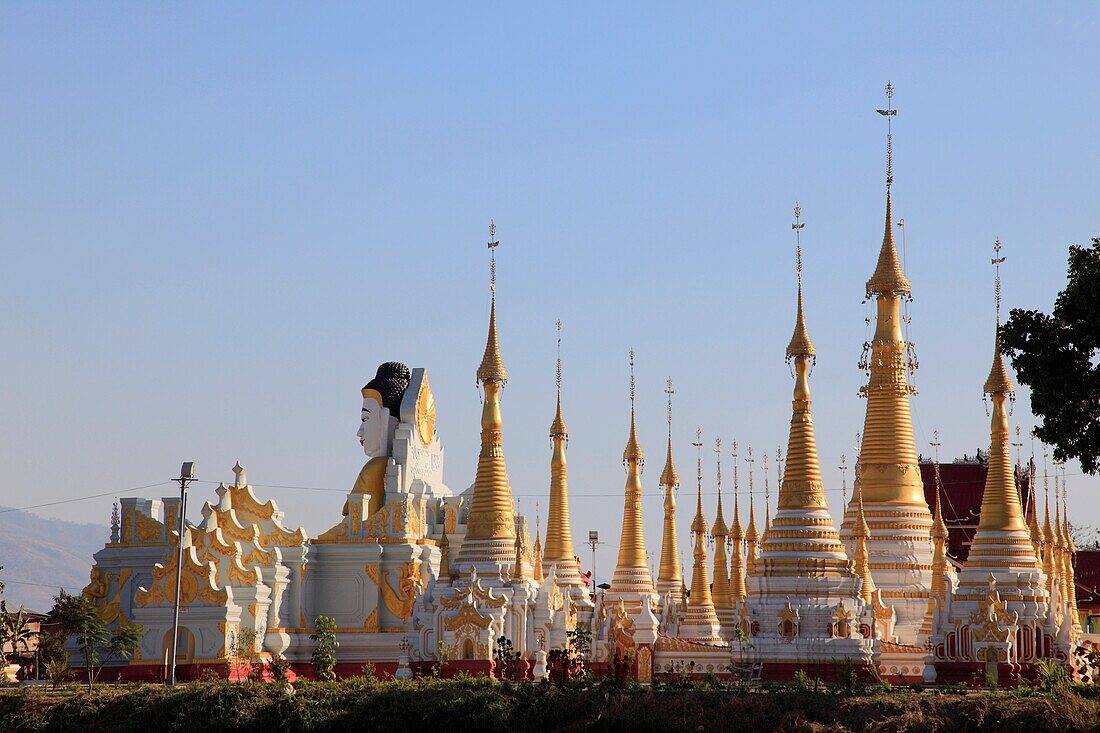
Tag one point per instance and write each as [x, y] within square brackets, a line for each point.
[217, 220]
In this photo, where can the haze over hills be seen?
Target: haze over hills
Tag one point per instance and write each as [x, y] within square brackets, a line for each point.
[41, 555]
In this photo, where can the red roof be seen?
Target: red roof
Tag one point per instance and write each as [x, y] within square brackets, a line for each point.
[963, 485]
[1086, 574]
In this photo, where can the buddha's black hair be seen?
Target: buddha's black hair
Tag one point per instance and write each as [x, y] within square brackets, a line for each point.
[391, 380]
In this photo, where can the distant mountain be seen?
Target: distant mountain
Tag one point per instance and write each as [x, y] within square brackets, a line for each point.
[41, 555]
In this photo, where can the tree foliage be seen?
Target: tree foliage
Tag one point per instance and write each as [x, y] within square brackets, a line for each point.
[324, 654]
[98, 645]
[15, 632]
[1057, 356]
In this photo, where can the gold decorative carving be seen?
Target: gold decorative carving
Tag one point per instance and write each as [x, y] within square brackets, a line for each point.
[788, 621]
[371, 622]
[237, 575]
[992, 622]
[147, 528]
[400, 602]
[335, 534]
[96, 590]
[467, 616]
[425, 413]
[196, 584]
[622, 627]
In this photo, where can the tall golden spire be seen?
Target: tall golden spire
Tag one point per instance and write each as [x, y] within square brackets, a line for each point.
[1033, 527]
[1060, 539]
[888, 456]
[861, 533]
[752, 536]
[670, 577]
[1071, 550]
[519, 571]
[802, 487]
[536, 561]
[803, 542]
[738, 589]
[941, 567]
[1002, 543]
[767, 502]
[669, 477]
[492, 367]
[631, 571]
[887, 471]
[700, 582]
[720, 532]
[1050, 567]
[444, 557]
[491, 529]
[889, 275]
[700, 622]
[1001, 509]
[558, 551]
[939, 537]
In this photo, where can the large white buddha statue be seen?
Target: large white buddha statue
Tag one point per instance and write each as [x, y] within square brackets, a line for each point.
[380, 417]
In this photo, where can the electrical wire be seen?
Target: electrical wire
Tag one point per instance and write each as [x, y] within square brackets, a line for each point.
[83, 498]
[656, 493]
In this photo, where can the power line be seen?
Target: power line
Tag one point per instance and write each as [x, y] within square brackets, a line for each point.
[40, 585]
[83, 498]
[616, 494]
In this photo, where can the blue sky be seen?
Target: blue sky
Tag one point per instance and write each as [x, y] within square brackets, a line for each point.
[217, 220]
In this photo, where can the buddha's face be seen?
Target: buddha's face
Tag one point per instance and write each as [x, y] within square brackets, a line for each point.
[374, 428]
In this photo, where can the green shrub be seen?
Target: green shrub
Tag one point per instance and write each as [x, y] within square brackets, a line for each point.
[324, 654]
[1053, 676]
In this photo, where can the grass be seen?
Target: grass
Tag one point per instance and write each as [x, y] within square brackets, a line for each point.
[487, 707]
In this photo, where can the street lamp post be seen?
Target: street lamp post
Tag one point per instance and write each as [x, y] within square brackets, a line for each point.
[594, 542]
[187, 475]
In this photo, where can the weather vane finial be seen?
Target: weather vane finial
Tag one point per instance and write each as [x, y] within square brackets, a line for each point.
[632, 379]
[557, 375]
[889, 113]
[750, 461]
[493, 244]
[718, 454]
[798, 226]
[996, 262]
[767, 489]
[733, 453]
[698, 443]
[669, 391]
[843, 478]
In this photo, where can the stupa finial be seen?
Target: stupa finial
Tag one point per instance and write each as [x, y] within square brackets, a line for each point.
[800, 344]
[492, 367]
[558, 427]
[669, 476]
[633, 451]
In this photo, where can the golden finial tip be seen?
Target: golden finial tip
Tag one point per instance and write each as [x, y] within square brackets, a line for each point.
[998, 381]
[889, 277]
[669, 477]
[633, 450]
[558, 428]
[800, 343]
[492, 367]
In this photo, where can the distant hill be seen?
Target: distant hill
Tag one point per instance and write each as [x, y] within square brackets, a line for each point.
[40, 555]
